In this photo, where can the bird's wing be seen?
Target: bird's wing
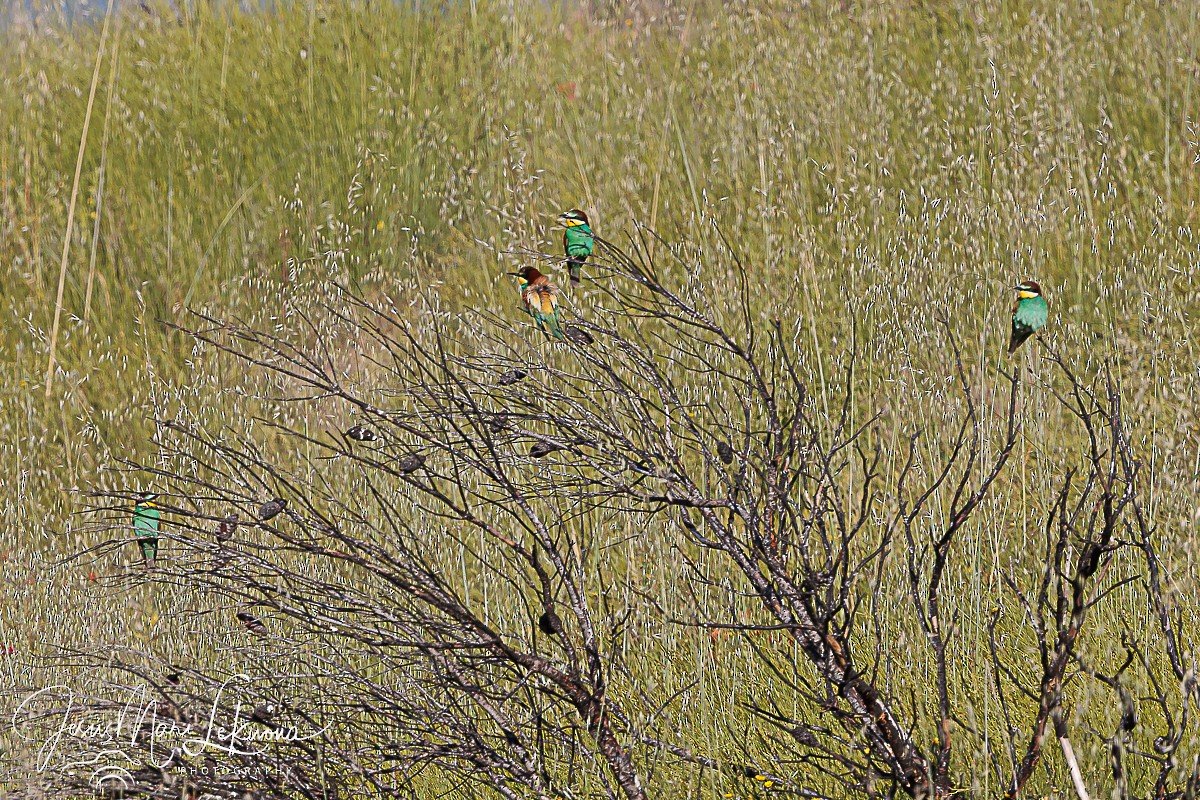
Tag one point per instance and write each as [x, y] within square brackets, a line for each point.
[529, 296]
[1031, 314]
[578, 241]
[546, 299]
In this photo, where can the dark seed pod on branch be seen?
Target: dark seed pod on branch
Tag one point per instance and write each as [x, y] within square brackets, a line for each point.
[227, 528]
[263, 714]
[541, 449]
[271, 508]
[549, 623]
[578, 335]
[252, 623]
[360, 434]
[410, 463]
[1128, 716]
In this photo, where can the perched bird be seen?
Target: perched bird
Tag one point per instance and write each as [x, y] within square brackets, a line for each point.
[540, 298]
[498, 423]
[724, 452]
[360, 434]
[145, 526]
[271, 508]
[252, 623]
[1028, 314]
[578, 242]
[549, 623]
[410, 463]
[511, 377]
[226, 528]
[578, 335]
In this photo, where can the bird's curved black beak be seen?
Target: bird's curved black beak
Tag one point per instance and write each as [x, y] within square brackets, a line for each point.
[514, 274]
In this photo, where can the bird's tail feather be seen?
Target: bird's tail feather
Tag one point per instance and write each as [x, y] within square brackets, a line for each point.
[1018, 338]
[549, 323]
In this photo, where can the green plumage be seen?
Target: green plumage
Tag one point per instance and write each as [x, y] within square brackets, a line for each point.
[578, 243]
[578, 240]
[1029, 315]
[548, 322]
[540, 298]
[145, 526]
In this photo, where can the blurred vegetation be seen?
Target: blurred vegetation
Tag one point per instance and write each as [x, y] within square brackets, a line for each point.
[872, 162]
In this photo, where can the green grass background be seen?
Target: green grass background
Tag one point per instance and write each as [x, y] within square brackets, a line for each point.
[871, 162]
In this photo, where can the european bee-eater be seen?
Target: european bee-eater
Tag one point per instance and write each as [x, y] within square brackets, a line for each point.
[1028, 314]
[145, 526]
[578, 242]
[540, 297]
[511, 377]
[271, 508]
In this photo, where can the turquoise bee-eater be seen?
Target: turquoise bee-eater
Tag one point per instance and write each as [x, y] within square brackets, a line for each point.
[1029, 314]
[578, 242]
[540, 298]
[145, 526]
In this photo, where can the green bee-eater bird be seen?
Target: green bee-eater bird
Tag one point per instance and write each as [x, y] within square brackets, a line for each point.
[1028, 314]
[578, 242]
[145, 526]
[540, 298]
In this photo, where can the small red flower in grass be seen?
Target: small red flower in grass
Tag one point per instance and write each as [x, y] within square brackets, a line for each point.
[92, 576]
[567, 89]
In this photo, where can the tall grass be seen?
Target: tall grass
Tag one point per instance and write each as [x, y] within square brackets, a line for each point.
[872, 162]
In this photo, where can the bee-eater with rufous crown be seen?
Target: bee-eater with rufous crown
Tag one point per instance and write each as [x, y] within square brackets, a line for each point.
[578, 242]
[540, 298]
[1029, 314]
